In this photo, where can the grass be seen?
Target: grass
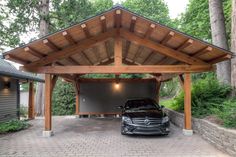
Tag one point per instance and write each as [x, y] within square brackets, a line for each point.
[13, 126]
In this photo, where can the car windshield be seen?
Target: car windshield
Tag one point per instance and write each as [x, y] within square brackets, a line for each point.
[144, 104]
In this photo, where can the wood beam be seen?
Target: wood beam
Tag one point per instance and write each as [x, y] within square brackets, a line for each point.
[185, 44]
[104, 29]
[68, 51]
[33, 52]
[202, 51]
[48, 102]
[16, 59]
[31, 101]
[146, 36]
[167, 37]
[118, 69]
[68, 37]
[187, 102]
[118, 51]
[219, 58]
[118, 18]
[51, 45]
[161, 48]
[131, 29]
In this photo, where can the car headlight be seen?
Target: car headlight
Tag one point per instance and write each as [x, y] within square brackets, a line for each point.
[165, 119]
[126, 120]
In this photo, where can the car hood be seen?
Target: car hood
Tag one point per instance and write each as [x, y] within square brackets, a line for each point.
[143, 114]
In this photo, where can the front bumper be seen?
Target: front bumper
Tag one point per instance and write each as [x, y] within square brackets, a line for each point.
[161, 129]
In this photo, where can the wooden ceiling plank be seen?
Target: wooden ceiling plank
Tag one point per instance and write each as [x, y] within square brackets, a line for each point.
[51, 45]
[86, 57]
[33, 52]
[68, 51]
[167, 37]
[131, 29]
[132, 69]
[161, 48]
[16, 59]
[68, 37]
[151, 54]
[202, 51]
[118, 51]
[72, 60]
[185, 44]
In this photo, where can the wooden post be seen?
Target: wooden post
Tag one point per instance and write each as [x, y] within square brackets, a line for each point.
[158, 87]
[31, 101]
[48, 105]
[118, 51]
[77, 101]
[187, 101]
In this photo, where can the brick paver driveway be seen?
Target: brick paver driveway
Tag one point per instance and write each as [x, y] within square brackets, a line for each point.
[100, 137]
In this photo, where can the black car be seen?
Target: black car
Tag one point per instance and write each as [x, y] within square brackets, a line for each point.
[144, 117]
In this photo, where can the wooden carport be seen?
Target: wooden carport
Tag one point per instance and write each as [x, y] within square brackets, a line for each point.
[115, 42]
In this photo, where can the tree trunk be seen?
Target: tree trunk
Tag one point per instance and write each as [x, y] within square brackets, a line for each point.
[43, 30]
[233, 44]
[219, 39]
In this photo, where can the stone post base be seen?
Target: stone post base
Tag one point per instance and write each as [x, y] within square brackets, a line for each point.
[47, 133]
[187, 132]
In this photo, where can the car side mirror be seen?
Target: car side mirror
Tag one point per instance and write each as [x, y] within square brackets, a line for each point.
[120, 107]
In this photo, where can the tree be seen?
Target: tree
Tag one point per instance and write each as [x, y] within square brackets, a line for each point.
[218, 32]
[233, 45]
[156, 10]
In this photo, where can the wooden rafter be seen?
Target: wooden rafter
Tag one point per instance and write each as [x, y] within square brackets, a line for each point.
[185, 44]
[68, 51]
[86, 57]
[118, 18]
[104, 29]
[68, 37]
[51, 45]
[219, 59]
[161, 48]
[151, 55]
[118, 51]
[33, 52]
[131, 29]
[146, 36]
[167, 37]
[202, 51]
[73, 61]
[118, 69]
[16, 59]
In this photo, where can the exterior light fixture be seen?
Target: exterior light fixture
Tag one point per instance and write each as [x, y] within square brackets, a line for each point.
[117, 85]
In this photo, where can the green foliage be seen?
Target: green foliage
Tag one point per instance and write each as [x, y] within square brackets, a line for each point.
[13, 126]
[169, 88]
[156, 10]
[196, 21]
[63, 100]
[23, 111]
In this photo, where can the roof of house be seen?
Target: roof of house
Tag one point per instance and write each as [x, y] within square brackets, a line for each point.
[7, 69]
[91, 42]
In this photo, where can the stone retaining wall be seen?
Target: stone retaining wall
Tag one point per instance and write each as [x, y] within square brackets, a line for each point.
[224, 139]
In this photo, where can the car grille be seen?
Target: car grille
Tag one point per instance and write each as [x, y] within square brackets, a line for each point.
[149, 121]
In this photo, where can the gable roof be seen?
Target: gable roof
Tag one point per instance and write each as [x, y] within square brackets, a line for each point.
[7, 69]
[168, 46]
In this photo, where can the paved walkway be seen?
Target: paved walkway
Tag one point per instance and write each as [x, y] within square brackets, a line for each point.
[100, 137]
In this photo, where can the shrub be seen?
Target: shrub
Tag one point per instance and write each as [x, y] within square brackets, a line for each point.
[207, 94]
[23, 111]
[63, 99]
[13, 126]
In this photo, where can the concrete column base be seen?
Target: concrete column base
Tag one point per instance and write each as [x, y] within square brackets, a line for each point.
[187, 132]
[47, 133]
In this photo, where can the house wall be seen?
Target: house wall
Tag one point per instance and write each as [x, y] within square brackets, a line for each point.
[9, 99]
[105, 97]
